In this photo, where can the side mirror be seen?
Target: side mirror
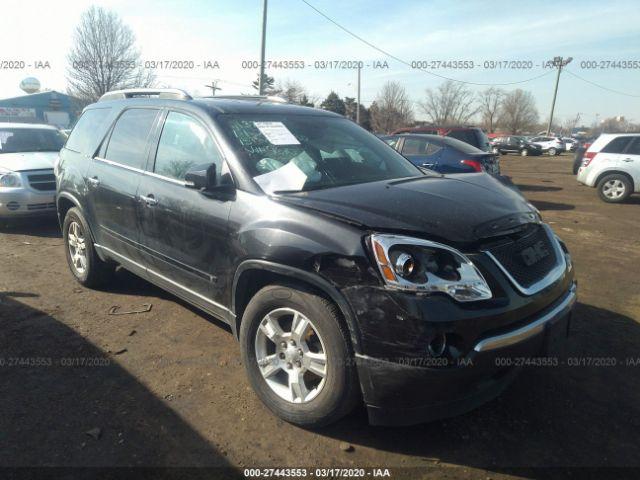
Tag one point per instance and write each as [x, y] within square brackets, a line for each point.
[201, 178]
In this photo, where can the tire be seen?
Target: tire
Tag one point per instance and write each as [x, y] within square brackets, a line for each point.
[86, 267]
[614, 188]
[495, 151]
[524, 152]
[337, 392]
[552, 152]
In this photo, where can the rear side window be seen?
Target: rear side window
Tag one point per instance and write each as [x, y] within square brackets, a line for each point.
[184, 144]
[634, 148]
[128, 142]
[617, 145]
[84, 135]
[414, 146]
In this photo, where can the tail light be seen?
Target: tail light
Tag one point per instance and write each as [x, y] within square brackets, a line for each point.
[477, 166]
[588, 158]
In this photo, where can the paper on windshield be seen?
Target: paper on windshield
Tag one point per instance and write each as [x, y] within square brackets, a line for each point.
[288, 177]
[276, 133]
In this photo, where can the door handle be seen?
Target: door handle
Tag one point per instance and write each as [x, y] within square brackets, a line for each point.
[93, 181]
[428, 165]
[627, 160]
[149, 200]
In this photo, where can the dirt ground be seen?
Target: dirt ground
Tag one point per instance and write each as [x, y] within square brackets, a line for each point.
[79, 387]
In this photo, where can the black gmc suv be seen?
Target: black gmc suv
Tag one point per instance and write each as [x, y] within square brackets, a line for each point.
[346, 272]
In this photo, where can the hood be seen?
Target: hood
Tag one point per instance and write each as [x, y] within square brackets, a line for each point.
[458, 208]
[17, 162]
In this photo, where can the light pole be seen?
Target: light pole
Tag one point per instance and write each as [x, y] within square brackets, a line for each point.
[557, 62]
[358, 99]
[264, 37]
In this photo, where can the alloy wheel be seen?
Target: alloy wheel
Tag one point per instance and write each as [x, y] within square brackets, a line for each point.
[77, 247]
[613, 189]
[291, 355]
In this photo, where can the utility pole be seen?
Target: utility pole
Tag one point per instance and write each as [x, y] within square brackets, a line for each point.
[358, 98]
[214, 86]
[557, 62]
[262, 49]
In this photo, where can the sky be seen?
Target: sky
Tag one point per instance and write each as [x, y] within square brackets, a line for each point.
[40, 34]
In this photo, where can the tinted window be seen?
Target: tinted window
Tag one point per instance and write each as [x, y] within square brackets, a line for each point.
[617, 145]
[85, 134]
[432, 148]
[128, 142]
[13, 140]
[634, 148]
[184, 144]
[414, 146]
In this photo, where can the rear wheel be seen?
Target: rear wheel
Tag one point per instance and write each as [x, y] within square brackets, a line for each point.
[84, 263]
[297, 356]
[552, 152]
[495, 151]
[524, 152]
[614, 188]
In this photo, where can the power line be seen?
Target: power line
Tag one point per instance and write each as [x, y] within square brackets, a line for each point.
[601, 86]
[397, 59]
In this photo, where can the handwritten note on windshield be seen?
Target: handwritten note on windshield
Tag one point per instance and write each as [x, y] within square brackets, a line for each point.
[276, 133]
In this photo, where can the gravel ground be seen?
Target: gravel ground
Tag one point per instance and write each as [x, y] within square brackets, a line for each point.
[80, 387]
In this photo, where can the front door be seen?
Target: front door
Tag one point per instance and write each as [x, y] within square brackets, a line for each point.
[183, 231]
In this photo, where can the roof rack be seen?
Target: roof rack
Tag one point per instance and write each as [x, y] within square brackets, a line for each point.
[268, 98]
[173, 93]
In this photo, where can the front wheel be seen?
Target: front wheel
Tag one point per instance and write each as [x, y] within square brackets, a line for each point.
[495, 151]
[524, 152]
[297, 356]
[614, 188]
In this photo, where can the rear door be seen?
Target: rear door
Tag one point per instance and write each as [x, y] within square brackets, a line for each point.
[612, 154]
[113, 181]
[631, 161]
[184, 231]
[421, 152]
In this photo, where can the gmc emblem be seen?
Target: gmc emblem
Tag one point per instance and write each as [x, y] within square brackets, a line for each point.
[533, 254]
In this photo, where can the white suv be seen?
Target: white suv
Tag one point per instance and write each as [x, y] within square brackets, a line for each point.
[551, 145]
[612, 165]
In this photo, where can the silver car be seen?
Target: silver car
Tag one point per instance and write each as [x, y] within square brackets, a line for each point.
[27, 156]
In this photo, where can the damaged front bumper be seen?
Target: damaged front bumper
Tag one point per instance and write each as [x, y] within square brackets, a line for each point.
[404, 383]
[425, 390]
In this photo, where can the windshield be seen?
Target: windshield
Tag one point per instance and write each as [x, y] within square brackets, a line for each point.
[289, 153]
[13, 140]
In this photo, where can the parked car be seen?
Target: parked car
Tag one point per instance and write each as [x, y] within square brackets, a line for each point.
[345, 271]
[550, 145]
[612, 165]
[472, 135]
[27, 154]
[515, 144]
[570, 144]
[444, 154]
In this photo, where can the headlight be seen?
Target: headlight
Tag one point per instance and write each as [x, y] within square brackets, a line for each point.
[422, 266]
[10, 180]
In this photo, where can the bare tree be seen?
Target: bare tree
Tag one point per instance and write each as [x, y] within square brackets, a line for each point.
[292, 91]
[392, 109]
[104, 57]
[490, 101]
[519, 112]
[450, 103]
